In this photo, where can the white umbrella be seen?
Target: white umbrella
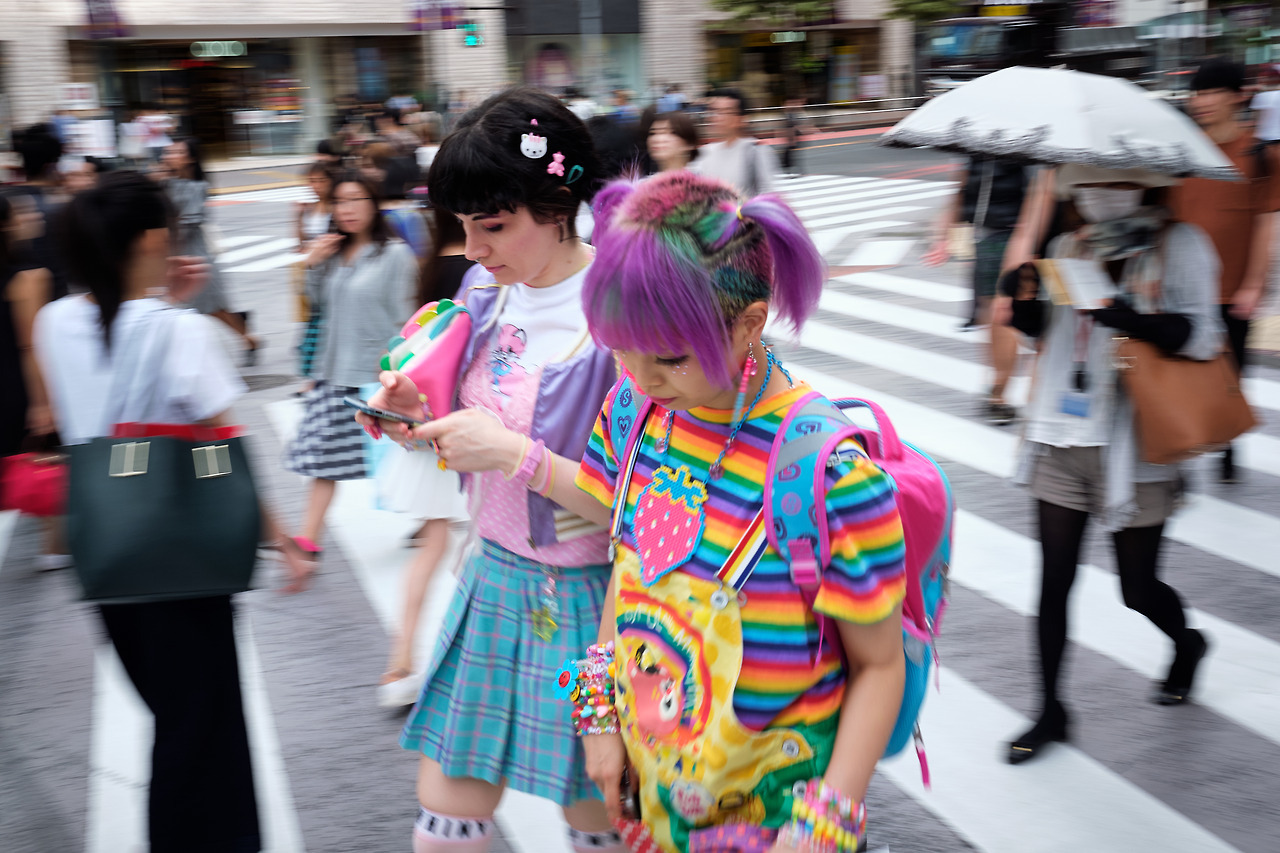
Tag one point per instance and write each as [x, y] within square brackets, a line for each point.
[1048, 115]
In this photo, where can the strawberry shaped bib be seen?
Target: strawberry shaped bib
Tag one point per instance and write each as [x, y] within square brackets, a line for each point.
[669, 521]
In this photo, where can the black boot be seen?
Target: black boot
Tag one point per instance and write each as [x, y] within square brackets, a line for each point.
[1051, 727]
[1228, 472]
[1182, 673]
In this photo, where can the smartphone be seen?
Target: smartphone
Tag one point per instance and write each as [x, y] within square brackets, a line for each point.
[382, 414]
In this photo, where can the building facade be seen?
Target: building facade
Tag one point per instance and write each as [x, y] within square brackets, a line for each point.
[267, 76]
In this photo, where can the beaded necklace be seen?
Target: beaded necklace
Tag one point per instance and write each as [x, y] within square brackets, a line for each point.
[738, 420]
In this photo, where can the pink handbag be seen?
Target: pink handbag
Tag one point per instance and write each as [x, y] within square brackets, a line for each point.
[34, 484]
[429, 351]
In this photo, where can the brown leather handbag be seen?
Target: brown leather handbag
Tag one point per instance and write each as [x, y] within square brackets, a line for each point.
[1183, 407]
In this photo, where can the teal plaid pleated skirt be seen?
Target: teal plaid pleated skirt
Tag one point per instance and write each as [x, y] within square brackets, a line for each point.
[488, 709]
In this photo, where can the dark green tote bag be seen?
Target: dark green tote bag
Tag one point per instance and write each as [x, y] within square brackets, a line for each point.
[160, 518]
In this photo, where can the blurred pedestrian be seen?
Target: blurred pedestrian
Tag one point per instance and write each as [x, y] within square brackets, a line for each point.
[990, 198]
[514, 171]
[314, 220]
[23, 291]
[794, 123]
[1266, 105]
[1080, 456]
[672, 142]
[737, 159]
[41, 152]
[412, 483]
[187, 186]
[180, 655]
[581, 104]
[1239, 217]
[673, 100]
[363, 281]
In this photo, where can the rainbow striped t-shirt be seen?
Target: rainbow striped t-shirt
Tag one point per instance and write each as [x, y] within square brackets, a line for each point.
[779, 684]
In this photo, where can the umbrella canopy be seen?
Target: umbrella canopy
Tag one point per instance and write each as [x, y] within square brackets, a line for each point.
[1049, 115]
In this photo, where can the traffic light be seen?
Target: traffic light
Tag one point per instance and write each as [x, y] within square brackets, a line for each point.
[471, 35]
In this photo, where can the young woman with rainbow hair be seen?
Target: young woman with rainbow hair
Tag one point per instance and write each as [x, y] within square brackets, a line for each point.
[726, 711]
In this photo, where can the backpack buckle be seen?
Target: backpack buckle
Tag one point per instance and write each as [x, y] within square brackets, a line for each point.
[805, 572]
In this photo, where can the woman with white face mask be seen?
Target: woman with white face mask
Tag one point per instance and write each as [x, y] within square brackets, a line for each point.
[1081, 457]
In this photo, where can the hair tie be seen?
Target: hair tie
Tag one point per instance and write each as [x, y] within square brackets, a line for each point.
[740, 219]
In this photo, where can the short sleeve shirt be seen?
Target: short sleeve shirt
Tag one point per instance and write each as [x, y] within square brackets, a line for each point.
[195, 382]
[1227, 210]
[779, 683]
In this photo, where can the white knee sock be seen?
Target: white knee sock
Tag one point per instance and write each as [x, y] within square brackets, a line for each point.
[608, 841]
[437, 833]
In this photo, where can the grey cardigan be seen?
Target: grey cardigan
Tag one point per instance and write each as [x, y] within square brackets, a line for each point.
[1188, 286]
[362, 305]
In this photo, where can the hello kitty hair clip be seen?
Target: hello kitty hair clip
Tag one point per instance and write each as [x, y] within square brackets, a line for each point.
[532, 145]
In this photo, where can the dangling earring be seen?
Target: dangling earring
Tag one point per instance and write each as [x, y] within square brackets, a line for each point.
[748, 371]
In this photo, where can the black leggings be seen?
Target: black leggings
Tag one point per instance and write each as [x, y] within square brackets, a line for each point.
[1137, 558]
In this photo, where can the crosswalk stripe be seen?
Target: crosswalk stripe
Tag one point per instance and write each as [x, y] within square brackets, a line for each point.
[1064, 800]
[833, 193]
[879, 253]
[119, 767]
[836, 222]
[1234, 532]
[272, 263]
[826, 241]
[269, 247]
[1236, 680]
[8, 520]
[239, 240]
[931, 290]
[281, 194]
[818, 212]
[1261, 452]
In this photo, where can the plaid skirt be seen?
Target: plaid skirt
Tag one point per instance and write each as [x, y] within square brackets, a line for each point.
[329, 444]
[488, 709]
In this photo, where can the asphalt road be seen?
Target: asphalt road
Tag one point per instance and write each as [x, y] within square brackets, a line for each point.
[332, 778]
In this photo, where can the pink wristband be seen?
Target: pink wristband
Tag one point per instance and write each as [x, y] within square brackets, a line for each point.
[529, 464]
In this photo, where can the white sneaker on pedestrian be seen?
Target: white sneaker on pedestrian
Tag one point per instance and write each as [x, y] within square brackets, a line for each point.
[402, 692]
[53, 562]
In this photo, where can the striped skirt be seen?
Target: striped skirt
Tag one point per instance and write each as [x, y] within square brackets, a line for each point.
[488, 709]
[329, 444]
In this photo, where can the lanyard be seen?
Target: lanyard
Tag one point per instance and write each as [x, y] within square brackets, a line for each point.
[1084, 331]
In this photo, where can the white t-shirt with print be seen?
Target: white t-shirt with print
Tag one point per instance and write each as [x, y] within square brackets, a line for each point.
[538, 324]
[193, 379]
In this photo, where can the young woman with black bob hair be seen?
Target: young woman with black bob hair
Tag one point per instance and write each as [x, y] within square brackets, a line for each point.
[180, 655]
[514, 172]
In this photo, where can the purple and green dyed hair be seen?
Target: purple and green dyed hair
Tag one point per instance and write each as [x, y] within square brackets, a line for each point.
[677, 261]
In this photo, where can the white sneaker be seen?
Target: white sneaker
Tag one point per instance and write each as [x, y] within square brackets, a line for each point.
[400, 693]
[53, 562]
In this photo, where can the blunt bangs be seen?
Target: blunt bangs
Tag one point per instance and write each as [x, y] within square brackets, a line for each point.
[644, 296]
[468, 177]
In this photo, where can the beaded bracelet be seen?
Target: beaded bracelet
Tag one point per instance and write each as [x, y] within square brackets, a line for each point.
[588, 684]
[823, 820]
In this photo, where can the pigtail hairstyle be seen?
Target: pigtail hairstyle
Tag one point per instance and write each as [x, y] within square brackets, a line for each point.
[679, 258]
[98, 232]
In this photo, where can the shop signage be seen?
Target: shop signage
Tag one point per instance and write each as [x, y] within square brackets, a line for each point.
[102, 20]
[78, 96]
[1003, 11]
[787, 38]
[218, 49]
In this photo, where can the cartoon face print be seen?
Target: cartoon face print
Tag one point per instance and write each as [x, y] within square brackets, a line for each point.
[533, 146]
[659, 692]
[504, 361]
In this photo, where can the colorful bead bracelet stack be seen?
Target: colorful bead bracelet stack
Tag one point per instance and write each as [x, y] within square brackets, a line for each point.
[823, 820]
[588, 684]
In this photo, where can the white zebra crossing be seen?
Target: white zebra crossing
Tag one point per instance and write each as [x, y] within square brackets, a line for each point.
[1067, 800]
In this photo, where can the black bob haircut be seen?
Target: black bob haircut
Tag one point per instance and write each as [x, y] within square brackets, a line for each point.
[480, 167]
